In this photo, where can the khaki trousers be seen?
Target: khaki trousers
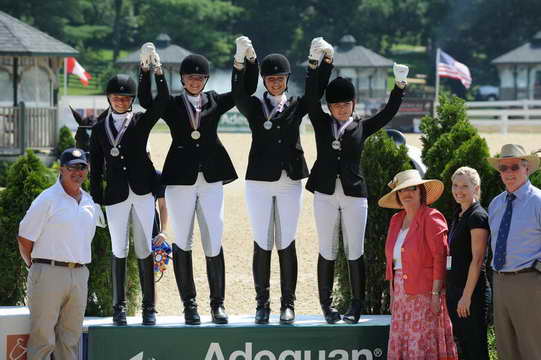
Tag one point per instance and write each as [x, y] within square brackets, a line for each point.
[57, 300]
[517, 315]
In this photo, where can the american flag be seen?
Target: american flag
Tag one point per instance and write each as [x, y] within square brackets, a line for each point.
[450, 68]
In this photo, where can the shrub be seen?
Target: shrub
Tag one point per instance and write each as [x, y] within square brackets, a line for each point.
[65, 141]
[26, 179]
[381, 161]
[451, 141]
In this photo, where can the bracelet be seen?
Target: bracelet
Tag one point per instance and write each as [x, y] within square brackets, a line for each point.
[163, 233]
[436, 293]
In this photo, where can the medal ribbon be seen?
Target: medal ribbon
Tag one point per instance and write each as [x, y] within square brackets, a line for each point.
[278, 108]
[194, 116]
[115, 141]
[337, 132]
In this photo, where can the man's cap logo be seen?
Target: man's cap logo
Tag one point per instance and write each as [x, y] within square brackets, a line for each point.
[76, 153]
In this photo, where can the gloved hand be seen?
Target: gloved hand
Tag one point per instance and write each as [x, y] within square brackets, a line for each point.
[316, 50]
[400, 75]
[327, 49]
[145, 55]
[155, 59]
[244, 49]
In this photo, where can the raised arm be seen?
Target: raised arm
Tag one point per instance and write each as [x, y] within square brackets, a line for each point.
[241, 75]
[382, 118]
[317, 78]
[96, 167]
[148, 58]
[245, 76]
[156, 110]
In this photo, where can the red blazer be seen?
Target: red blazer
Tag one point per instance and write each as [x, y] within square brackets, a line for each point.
[424, 251]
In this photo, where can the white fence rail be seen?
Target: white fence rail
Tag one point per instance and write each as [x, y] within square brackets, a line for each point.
[505, 113]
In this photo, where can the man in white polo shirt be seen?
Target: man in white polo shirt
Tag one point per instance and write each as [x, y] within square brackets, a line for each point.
[54, 241]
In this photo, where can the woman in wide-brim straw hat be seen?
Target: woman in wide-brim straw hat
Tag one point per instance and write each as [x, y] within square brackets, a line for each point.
[416, 250]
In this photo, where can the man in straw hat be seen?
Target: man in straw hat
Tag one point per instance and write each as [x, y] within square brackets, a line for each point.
[515, 226]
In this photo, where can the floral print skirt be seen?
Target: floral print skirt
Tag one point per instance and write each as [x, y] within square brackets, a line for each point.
[417, 333]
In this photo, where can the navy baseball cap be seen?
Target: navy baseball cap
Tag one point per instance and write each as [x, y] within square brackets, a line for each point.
[73, 156]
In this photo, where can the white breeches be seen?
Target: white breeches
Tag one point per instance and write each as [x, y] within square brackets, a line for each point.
[333, 211]
[274, 208]
[207, 201]
[140, 210]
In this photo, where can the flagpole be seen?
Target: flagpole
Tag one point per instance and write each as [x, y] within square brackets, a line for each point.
[437, 90]
[65, 76]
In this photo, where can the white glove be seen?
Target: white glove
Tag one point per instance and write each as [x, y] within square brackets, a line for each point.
[155, 59]
[244, 49]
[327, 49]
[400, 74]
[316, 49]
[145, 54]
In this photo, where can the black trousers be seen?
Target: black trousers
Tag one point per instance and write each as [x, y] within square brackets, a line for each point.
[470, 333]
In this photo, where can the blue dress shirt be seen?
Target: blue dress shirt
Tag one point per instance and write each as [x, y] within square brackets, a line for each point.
[524, 239]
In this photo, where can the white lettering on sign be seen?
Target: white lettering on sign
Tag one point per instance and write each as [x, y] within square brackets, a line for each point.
[215, 352]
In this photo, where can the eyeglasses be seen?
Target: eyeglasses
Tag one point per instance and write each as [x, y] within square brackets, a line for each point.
[77, 167]
[409, 188]
[504, 168]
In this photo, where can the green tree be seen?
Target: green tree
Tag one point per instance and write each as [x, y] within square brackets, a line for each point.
[451, 141]
[65, 141]
[201, 26]
[26, 179]
[381, 161]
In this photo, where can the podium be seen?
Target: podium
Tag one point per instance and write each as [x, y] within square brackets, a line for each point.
[309, 338]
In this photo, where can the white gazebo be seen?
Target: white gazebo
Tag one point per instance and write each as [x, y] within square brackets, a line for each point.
[520, 71]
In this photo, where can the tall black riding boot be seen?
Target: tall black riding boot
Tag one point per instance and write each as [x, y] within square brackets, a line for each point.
[119, 290]
[182, 265]
[288, 283]
[146, 276]
[357, 281]
[261, 267]
[325, 281]
[216, 278]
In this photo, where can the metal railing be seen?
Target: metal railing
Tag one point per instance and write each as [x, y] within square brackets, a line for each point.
[24, 127]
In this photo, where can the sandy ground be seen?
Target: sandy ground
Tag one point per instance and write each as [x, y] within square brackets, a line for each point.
[238, 244]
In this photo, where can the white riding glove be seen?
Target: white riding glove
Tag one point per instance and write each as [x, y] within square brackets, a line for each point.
[316, 51]
[400, 75]
[155, 59]
[145, 54]
[327, 49]
[244, 44]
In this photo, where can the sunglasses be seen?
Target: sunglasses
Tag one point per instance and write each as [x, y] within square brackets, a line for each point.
[409, 188]
[77, 167]
[504, 168]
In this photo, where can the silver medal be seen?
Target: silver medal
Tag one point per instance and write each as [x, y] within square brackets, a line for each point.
[336, 145]
[196, 135]
[114, 152]
[267, 125]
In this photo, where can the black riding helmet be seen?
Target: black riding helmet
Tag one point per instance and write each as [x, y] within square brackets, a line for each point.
[340, 90]
[194, 64]
[121, 84]
[275, 64]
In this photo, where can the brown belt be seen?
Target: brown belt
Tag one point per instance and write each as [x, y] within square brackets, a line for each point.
[521, 271]
[70, 265]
